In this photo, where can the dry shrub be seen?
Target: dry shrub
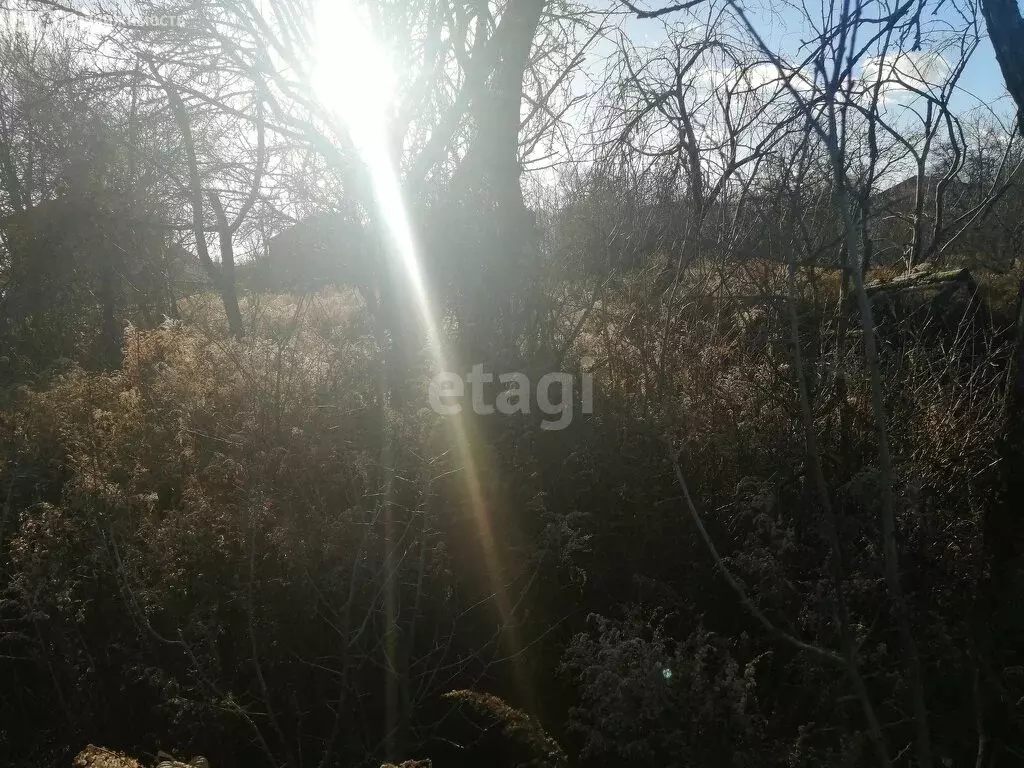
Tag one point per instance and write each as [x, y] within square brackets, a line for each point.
[726, 397]
[98, 757]
[206, 520]
[504, 735]
[216, 503]
[648, 699]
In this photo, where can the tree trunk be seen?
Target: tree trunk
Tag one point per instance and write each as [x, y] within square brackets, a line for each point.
[1006, 30]
[223, 278]
[226, 274]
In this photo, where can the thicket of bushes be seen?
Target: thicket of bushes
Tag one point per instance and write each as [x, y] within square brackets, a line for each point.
[198, 555]
[231, 525]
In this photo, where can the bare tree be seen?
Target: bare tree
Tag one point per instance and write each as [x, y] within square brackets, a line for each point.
[830, 93]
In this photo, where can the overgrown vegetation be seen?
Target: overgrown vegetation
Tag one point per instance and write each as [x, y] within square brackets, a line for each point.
[788, 533]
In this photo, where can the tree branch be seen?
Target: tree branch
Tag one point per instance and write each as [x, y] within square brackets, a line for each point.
[641, 14]
[780, 635]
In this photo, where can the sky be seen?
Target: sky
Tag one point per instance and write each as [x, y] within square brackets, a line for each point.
[981, 84]
[983, 79]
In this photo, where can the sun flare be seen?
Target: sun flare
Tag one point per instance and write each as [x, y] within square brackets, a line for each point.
[353, 73]
[354, 78]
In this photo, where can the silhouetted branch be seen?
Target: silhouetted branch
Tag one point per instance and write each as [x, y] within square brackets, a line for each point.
[641, 14]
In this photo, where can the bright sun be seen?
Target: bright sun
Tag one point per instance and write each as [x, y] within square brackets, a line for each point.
[354, 78]
[353, 73]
